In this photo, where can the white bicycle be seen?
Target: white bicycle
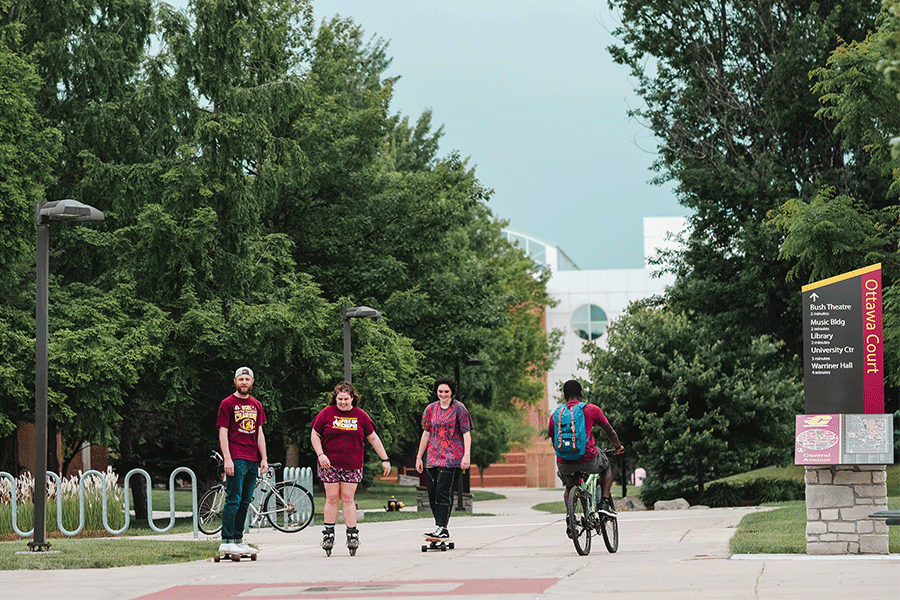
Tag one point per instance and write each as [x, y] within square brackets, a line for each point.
[289, 507]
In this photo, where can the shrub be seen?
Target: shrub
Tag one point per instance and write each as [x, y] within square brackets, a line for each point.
[726, 493]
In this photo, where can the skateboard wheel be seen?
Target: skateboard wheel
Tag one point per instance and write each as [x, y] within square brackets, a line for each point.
[352, 551]
[424, 548]
[451, 546]
[252, 557]
[217, 558]
[328, 552]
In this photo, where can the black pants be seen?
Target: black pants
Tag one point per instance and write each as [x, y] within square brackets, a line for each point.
[441, 484]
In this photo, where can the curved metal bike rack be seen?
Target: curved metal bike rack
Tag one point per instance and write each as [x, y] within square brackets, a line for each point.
[59, 510]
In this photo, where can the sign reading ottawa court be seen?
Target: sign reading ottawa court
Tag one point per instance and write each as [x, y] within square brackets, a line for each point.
[843, 374]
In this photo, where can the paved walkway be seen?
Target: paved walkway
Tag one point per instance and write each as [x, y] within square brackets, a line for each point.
[517, 555]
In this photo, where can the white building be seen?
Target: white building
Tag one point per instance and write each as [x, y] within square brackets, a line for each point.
[590, 299]
[588, 302]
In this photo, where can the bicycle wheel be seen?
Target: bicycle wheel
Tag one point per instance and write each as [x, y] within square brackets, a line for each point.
[209, 510]
[289, 507]
[609, 527]
[578, 520]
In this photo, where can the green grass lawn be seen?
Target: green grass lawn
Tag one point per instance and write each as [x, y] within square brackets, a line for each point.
[783, 530]
[70, 553]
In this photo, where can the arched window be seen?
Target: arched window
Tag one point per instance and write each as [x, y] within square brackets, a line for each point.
[589, 322]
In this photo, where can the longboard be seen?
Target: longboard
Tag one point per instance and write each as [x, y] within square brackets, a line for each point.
[234, 556]
[442, 544]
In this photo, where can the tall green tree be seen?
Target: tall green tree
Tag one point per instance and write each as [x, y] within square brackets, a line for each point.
[727, 93]
[838, 230]
[28, 148]
[688, 409]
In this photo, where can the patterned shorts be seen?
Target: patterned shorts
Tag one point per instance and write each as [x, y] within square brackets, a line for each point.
[337, 475]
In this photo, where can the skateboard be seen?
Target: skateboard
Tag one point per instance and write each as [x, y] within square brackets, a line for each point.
[234, 556]
[442, 544]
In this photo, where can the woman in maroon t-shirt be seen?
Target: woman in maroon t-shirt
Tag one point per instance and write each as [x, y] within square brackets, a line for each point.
[337, 437]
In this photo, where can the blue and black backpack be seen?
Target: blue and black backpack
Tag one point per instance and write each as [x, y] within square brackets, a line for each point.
[570, 437]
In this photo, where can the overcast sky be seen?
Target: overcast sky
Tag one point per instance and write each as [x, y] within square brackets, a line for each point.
[528, 93]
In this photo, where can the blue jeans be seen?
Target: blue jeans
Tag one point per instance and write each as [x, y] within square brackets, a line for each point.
[238, 496]
[441, 483]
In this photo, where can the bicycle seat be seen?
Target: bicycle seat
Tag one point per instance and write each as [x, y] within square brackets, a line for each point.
[274, 466]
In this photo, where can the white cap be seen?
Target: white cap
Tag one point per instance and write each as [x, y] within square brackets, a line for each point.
[244, 371]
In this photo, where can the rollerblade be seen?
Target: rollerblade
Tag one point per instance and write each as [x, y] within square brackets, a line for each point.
[352, 540]
[328, 540]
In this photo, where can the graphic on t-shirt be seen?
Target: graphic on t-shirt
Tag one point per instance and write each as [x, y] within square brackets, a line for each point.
[346, 423]
[245, 417]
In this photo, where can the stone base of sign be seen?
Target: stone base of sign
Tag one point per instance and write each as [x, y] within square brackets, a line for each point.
[839, 500]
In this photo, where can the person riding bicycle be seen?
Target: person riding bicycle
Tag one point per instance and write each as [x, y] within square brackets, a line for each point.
[240, 421]
[591, 461]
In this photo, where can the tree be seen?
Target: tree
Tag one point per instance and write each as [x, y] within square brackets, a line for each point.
[689, 410]
[251, 189]
[28, 147]
[726, 92]
[835, 232]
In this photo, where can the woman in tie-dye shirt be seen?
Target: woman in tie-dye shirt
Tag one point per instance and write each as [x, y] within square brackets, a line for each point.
[446, 427]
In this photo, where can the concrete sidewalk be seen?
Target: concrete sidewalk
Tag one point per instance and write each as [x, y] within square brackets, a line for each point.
[518, 554]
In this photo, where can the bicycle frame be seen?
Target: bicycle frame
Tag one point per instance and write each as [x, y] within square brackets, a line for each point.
[589, 486]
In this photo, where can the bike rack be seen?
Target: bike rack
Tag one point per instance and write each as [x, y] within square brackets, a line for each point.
[59, 510]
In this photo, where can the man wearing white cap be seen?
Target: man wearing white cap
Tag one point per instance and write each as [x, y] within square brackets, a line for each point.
[243, 447]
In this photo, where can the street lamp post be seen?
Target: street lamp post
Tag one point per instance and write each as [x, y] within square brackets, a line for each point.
[356, 312]
[60, 210]
[464, 480]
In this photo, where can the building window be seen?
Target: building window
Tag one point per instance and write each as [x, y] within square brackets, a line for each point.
[589, 322]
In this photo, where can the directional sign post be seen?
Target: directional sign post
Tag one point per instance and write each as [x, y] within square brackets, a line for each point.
[843, 349]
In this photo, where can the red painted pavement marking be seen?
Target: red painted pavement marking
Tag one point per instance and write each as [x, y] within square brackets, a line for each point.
[345, 589]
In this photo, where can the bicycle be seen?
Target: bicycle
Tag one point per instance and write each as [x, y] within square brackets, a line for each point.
[287, 506]
[582, 516]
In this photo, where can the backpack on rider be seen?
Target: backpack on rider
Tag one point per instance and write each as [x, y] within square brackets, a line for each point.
[570, 437]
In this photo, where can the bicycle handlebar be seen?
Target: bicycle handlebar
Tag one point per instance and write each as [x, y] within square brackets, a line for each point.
[220, 460]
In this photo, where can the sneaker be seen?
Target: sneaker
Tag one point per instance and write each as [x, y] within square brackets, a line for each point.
[439, 533]
[243, 548]
[228, 548]
[607, 507]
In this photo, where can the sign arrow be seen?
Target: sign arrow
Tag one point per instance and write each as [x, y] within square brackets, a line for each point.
[814, 296]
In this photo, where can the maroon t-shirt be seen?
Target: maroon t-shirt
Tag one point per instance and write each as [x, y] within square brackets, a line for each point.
[592, 415]
[243, 418]
[343, 435]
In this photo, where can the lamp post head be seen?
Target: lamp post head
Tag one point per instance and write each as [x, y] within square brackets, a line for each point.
[67, 210]
[360, 312]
